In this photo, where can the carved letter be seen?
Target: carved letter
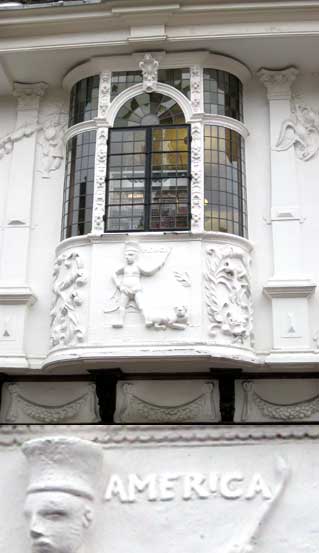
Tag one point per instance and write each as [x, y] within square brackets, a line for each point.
[166, 486]
[258, 485]
[116, 487]
[195, 482]
[228, 491]
[135, 483]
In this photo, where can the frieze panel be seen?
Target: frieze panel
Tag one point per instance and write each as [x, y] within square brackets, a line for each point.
[59, 402]
[277, 401]
[241, 500]
[167, 401]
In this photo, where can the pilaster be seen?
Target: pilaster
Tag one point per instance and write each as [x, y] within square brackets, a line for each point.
[15, 291]
[289, 288]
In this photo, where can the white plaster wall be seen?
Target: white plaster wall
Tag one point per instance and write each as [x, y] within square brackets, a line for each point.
[7, 124]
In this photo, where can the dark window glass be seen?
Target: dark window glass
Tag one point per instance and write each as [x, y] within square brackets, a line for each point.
[223, 94]
[148, 179]
[178, 78]
[121, 80]
[84, 100]
[79, 185]
[149, 110]
[225, 190]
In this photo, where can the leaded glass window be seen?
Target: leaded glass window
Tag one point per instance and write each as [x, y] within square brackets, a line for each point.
[148, 179]
[121, 80]
[149, 109]
[222, 94]
[79, 185]
[84, 100]
[225, 190]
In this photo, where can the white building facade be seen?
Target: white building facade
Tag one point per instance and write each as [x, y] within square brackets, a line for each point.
[158, 185]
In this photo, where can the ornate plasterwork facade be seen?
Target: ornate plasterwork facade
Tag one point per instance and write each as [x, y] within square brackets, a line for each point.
[194, 305]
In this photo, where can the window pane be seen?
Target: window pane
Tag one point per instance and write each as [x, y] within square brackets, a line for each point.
[84, 100]
[149, 110]
[78, 186]
[225, 208]
[223, 94]
[148, 189]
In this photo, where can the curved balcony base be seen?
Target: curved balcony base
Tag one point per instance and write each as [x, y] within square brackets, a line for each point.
[168, 299]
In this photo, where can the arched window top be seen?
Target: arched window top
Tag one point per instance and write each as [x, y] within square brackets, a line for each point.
[149, 110]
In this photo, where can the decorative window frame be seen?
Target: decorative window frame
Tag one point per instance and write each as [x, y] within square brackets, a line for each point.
[193, 110]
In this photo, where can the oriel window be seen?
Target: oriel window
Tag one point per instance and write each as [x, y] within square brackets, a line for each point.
[148, 178]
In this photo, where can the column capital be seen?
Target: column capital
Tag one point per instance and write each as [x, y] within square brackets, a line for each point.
[28, 94]
[278, 82]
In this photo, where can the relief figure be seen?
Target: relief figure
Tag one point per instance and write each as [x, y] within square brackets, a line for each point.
[128, 282]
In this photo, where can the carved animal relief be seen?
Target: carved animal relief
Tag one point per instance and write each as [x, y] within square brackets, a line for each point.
[69, 278]
[301, 131]
[228, 295]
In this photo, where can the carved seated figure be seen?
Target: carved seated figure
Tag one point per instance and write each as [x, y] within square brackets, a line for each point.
[177, 319]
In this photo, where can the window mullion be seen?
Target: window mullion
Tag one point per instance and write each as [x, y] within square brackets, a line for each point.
[148, 178]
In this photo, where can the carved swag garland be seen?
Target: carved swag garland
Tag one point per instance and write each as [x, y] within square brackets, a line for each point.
[68, 276]
[228, 295]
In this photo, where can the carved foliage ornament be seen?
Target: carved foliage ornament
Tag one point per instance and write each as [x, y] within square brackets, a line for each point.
[149, 67]
[197, 175]
[68, 278]
[196, 88]
[228, 295]
[301, 131]
[104, 93]
[99, 176]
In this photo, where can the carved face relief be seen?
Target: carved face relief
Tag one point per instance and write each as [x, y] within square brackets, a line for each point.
[130, 257]
[57, 521]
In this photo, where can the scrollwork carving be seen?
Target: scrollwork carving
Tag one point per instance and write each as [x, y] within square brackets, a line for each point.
[68, 277]
[228, 294]
[149, 67]
[301, 131]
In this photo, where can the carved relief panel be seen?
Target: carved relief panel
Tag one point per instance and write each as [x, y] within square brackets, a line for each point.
[54, 403]
[277, 400]
[228, 293]
[231, 483]
[167, 401]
